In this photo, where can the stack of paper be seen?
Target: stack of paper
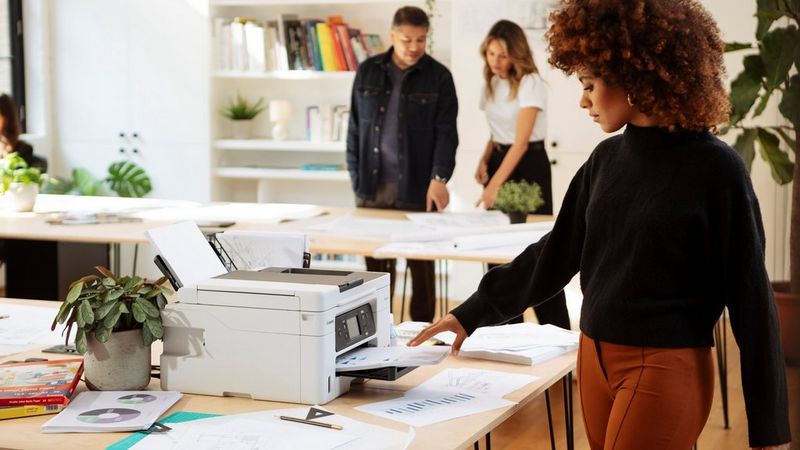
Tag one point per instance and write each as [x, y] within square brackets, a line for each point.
[376, 357]
[103, 412]
[520, 343]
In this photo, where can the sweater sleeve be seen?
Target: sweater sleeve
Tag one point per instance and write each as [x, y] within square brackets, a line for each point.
[753, 316]
[538, 273]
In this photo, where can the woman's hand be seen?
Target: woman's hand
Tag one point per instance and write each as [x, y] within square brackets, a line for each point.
[482, 173]
[446, 323]
[488, 196]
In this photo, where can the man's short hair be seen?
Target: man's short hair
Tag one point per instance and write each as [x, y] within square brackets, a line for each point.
[410, 15]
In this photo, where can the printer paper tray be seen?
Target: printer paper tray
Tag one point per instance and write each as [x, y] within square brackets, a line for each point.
[382, 373]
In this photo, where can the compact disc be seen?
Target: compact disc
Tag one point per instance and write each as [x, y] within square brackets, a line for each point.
[137, 398]
[108, 415]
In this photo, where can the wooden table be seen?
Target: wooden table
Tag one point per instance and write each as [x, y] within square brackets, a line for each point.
[453, 434]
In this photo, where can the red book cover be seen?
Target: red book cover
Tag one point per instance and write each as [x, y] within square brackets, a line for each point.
[40, 382]
[347, 50]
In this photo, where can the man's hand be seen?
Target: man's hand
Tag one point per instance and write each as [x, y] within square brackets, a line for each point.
[446, 323]
[437, 195]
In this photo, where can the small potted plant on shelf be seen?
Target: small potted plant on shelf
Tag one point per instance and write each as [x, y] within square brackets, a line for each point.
[241, 112]
[518, 199]
[20, 183]
[117, 319]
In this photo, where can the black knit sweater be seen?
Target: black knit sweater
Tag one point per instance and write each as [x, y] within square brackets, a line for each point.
[666, 231]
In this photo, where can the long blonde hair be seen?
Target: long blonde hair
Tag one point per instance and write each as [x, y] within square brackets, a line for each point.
[513, 38]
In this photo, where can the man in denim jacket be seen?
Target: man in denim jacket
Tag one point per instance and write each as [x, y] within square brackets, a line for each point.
[402, 138]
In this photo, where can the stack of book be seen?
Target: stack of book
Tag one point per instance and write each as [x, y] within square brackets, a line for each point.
[292, 43]
[35, 388]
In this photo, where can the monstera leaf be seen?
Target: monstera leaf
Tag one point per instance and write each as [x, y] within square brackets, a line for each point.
[128, 180]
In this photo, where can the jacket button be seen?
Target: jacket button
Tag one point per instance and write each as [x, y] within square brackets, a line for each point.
[382, 109]
[375, 171]
[376, 149]
[377, 128]
[388, 92]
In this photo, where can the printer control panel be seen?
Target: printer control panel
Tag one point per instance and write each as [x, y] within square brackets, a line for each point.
[354, 325]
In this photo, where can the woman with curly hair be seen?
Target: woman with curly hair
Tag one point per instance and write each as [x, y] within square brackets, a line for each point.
[513, 99]
[664, 227]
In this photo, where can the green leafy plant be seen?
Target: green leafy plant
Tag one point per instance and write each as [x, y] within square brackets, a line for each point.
[242, 109]
[106, 303]
[125, 178]
[519, 197]
[14, 169]
[771, 73]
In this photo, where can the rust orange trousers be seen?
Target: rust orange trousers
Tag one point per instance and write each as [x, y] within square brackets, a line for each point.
[635, 398]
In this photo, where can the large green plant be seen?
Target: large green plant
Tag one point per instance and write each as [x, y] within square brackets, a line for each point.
[124, 177]
[14, 169]
[103, 304]
[770, 73]
[519, 197]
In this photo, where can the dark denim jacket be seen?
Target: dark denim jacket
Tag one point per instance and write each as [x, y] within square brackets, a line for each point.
[427, 138]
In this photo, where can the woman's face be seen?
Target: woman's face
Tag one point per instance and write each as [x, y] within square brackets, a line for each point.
[607, 105]
[497, 58]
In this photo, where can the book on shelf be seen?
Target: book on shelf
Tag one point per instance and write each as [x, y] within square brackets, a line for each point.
[325, 167]
[327, 123]
[46, 384]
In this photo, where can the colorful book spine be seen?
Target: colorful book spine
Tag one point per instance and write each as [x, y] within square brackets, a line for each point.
[326, 47]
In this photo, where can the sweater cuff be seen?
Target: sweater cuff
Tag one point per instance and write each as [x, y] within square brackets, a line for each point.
[470, 313]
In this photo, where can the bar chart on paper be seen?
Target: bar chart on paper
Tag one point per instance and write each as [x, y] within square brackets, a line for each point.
[450, 394]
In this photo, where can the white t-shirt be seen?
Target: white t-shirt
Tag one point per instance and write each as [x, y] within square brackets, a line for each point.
[502, 113]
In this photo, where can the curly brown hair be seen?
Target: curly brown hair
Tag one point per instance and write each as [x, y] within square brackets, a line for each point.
[666, 54]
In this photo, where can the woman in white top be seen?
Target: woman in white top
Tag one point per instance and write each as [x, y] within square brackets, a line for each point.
[514, 98]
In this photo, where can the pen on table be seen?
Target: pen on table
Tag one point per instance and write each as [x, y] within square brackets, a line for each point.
[311, 422]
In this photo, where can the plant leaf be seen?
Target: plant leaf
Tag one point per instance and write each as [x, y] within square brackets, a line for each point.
[781, 167]
[745, 146]
[74, 293]
[113, 317]
[80, 340]
[123, 309]
[102, 333]
[734, 46]
[84, 182]
[103, 311]
[790, 102]
[85, 314]
[147, 336]
[744, 92]
[148, 308]
[105, 271]
[788, 139]
[128, 179]
[767, 12]
[155, 328]
[114, 294]
[138, 313]
[762, 104]
[777, 51]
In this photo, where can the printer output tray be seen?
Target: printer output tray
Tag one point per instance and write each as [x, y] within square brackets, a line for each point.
[381, 373]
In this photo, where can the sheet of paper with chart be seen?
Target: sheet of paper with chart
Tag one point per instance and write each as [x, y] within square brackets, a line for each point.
[450, 394]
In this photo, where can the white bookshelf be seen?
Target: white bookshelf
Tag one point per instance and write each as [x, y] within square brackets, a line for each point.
[270, 145]
[272, 173]
[285, 75]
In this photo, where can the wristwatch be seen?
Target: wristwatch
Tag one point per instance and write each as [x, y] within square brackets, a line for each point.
[441, 179]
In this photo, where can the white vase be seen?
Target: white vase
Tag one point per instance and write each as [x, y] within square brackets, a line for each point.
[22, 196]
[120, 364]
[241, 129]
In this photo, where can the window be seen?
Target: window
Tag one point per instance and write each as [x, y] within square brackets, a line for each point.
[12, 61]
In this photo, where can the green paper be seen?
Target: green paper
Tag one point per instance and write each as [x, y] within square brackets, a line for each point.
[180, 416]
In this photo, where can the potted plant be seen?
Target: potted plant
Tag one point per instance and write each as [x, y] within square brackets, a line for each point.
[20, 183]
[241, 112]
[124, 177]
[771, 73]
[117, 319]
[518, 199]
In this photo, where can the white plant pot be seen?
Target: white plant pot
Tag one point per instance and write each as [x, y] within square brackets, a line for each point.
[241, 129]
[22, 196]
[120, 364]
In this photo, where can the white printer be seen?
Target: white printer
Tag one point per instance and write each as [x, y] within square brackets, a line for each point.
[272, 334]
